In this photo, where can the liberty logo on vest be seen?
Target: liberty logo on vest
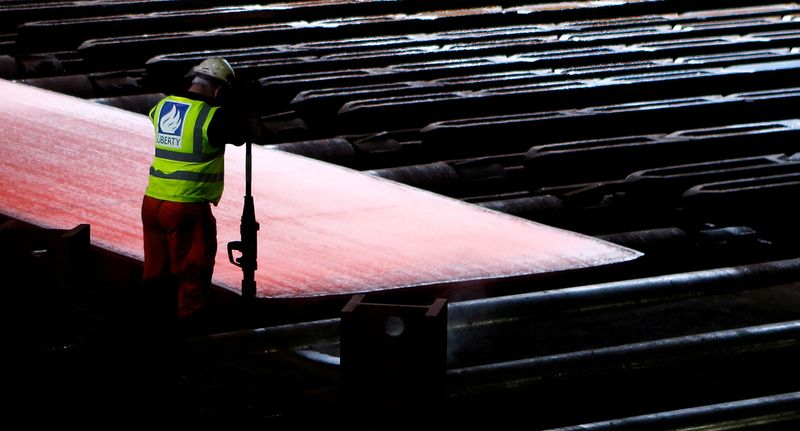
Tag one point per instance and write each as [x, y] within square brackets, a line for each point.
[170, 124]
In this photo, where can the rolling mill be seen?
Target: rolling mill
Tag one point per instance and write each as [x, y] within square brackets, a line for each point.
[514, 214]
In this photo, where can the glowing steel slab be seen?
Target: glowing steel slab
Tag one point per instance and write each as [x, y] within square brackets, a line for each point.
[325, 230]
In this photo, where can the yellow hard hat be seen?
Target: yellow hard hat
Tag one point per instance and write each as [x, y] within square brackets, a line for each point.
[215, 68]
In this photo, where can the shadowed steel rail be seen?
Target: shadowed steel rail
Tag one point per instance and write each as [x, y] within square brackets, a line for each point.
[507, 310]
[761, 411]
[690, 349]
[617, 294]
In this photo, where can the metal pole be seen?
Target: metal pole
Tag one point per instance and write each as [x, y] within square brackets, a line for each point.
[248, 245]
[248, 218]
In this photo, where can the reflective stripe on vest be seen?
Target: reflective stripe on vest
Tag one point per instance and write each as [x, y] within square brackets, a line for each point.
[188, 176]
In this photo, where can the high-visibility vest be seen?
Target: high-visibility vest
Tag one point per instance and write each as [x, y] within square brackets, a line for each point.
[185, 167]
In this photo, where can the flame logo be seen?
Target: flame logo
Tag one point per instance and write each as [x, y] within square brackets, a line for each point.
[169, 123]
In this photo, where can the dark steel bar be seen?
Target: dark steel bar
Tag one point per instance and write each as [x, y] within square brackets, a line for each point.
[679, 244]
[139, 103]
[91, 85]
[667, 352]
[73, 85]
[328, 100]
[72, 31]
[335, 150]
[572, 63]
[762, 412]
[408, 112]
[619, 294]
[663, 186]
[294, 336]
[508, 310]
[510, 133]
[145, 46]
[763, 202]
[14, 15]
[308, 61]
[542, 208]
[673, 250]
[551, 164]
[458, 178]
[648, 241]
[69, 33]
[738, 49]
[438, 177]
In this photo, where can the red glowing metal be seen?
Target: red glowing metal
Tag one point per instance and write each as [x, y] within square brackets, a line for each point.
[325, 230]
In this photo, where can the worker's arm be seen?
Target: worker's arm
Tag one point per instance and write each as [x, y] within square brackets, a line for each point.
[231, 126]
[239, 121]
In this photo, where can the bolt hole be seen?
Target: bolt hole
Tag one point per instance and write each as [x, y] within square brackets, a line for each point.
[394, 326]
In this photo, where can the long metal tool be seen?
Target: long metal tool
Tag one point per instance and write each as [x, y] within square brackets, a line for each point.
[248, 245]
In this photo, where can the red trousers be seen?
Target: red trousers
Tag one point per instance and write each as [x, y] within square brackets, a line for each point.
[180, 238]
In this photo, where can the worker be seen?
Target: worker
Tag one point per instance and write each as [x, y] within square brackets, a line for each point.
[186, 178]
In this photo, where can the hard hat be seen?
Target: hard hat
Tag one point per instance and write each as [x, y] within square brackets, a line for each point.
[216, 68]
